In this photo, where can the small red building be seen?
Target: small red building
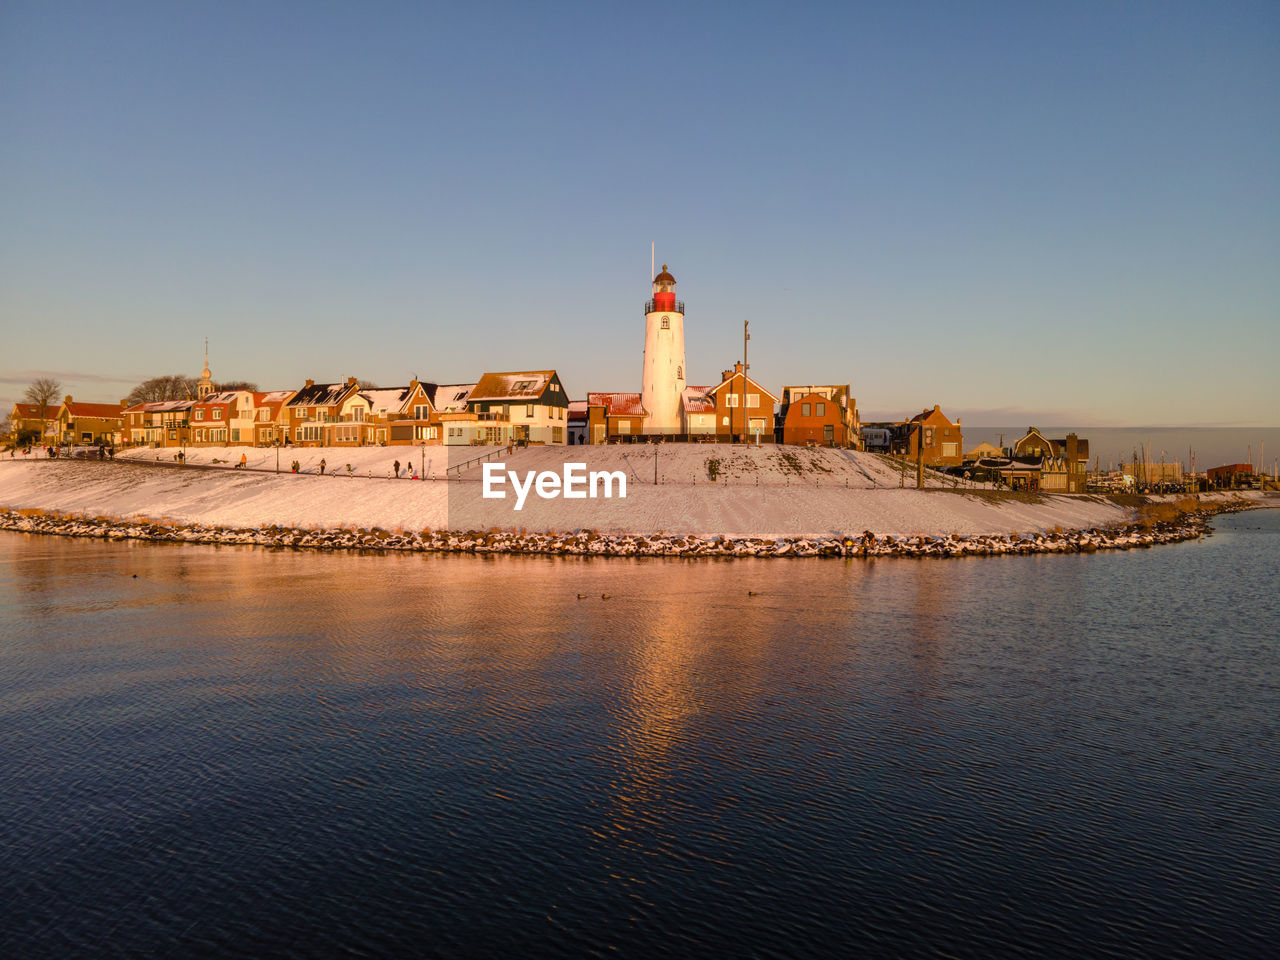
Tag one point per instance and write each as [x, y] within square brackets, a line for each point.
[814, 420]
[1230, 474]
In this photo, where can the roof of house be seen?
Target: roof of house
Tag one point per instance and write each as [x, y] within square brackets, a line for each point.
[926, 414]
[387, 399]
[696, 400]
[578, 409]
[222, 399]
[31, 411]
[272, 396]
[161, 406]
[751, 381]
[618, 404]
[103, 411]
[984, 450]
[452, 397]
[320, 394]
[516, 385]
[839, 392]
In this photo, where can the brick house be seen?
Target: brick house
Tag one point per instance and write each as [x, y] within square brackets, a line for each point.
[812, 419]
[160, 423]
[270, 416]
[614, 415]
[223, 419]
[728, 395]
[942, 439]
[80, 422]
[825, 415]
[27, 418]
[312, 407]
[406, 415]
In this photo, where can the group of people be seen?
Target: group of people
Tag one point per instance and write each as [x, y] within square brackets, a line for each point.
[52, 453]
[410, 471]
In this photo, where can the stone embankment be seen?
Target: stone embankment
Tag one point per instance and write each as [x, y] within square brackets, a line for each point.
[1186, 526]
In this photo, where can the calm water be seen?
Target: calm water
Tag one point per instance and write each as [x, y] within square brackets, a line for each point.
[242, 752]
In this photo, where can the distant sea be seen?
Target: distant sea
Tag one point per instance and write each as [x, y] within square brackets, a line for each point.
[1212, 446]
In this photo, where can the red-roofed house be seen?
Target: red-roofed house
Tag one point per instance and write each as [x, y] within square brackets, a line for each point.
[223, 419]
[614, 415]
[26, 418]
[80, 422]
[269, 420]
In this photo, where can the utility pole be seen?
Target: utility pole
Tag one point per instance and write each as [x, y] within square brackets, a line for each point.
[745, 337]
[920, 456]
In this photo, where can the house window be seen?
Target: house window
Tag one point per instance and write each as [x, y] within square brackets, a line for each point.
[804, 409]
[557, 434]
[522, 385]
[753, 399]
[624, 426]
[421, 412]
[725, 421]
[528, 410]
[733, 400]
[199, 414]
[821, 409]
[217, 413]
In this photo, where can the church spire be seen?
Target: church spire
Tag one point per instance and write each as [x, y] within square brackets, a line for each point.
[205, 386]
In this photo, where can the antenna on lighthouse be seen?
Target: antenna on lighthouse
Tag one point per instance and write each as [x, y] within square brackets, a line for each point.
[651, 261]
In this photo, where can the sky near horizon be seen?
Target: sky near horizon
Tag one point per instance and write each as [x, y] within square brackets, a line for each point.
[1054, 213]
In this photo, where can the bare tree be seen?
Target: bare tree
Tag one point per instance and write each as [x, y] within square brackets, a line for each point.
[236, 385]
[366, 385]
[175, 386]
[42, 392]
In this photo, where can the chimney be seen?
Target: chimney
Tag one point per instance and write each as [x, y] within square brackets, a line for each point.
[311, 383]
[67, 398]
[726, 375]
[351, 381]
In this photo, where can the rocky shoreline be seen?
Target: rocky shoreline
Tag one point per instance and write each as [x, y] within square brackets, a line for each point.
[1187, 526]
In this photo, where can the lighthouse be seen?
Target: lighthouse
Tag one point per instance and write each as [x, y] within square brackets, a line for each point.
[663, 382]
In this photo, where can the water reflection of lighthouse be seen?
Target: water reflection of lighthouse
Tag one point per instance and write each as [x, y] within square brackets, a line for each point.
[663, 383]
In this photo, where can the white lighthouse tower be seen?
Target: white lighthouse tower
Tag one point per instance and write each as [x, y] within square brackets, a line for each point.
[663, 383]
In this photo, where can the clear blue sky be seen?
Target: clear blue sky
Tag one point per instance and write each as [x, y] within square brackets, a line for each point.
[1063, 212]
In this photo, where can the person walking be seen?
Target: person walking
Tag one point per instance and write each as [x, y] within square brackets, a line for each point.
[322, 465]
[397, 469]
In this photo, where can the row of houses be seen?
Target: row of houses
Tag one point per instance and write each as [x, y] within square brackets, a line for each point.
[513, 407]
[500, 408]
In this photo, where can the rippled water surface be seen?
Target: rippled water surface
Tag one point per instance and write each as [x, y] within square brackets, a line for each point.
[231, 751]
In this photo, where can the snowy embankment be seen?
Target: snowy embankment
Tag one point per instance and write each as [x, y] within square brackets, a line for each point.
[765, 492]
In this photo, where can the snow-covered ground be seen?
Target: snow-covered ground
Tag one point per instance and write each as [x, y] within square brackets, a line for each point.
[762, 492]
